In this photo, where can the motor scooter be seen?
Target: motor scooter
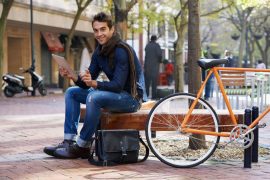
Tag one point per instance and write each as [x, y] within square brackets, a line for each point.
[14, 84]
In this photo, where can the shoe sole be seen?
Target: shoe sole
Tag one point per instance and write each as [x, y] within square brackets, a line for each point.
[69, 157]
[75, 157]
[48, 152]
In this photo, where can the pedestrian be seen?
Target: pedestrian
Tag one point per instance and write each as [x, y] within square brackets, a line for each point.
[153, 58]
[169, 68]
[123, 93]
[209, 87]
[229, 57]
[260, 65]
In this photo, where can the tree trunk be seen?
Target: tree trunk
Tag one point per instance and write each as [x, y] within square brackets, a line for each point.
[267, 46]
[81, 8]
[194, 47]
[179, 69]
[242, 43]
[121, 9]
[264, 51]
[121, 18]
[68, 44]
[6, 5]
[194, 51]
[243, 19]
[141, 46]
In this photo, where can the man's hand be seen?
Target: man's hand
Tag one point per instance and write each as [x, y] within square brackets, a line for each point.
[64, 73]
[87, 79]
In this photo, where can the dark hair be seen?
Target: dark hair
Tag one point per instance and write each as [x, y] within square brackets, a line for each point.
[259, 61]
[103, 17]
[153, 38]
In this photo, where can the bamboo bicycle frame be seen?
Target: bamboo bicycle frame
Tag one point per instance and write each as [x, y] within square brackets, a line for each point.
[215, 70]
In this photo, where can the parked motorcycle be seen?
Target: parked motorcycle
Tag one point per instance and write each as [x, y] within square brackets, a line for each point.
[14, 84]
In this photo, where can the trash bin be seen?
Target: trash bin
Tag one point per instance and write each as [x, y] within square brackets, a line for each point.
[161, 93]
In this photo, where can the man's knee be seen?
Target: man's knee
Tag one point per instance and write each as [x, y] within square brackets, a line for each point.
[70, 91]
[94, 97]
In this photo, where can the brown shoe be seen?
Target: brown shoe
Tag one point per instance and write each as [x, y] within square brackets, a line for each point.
[72, 152]
[50, 149]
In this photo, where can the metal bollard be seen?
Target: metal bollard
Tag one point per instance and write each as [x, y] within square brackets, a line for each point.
[248, 151]
[255, 145]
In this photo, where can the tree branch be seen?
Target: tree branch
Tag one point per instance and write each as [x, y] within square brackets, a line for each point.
[216, 11]
[175, 18]
[78, 3]
[6, 7]
[131, 4]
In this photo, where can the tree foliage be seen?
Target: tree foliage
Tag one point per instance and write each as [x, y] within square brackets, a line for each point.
[120, 10]
[147, 18]
[250, 19]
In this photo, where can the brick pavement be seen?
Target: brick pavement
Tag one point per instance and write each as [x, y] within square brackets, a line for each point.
[30, 123]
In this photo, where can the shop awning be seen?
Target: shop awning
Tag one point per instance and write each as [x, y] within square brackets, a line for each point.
[53, 42]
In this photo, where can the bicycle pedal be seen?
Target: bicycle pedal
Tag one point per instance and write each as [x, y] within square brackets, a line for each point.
[263, 125]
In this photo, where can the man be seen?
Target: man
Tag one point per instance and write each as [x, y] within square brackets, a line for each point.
[228, 55]
[209, 87]
[123, 93]
[153, 57]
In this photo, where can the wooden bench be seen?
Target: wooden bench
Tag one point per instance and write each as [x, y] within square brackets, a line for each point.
[137, 120]
[235, 85]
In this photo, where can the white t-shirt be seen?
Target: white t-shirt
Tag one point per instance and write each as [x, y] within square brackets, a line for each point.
[85, 60]
[261, 66]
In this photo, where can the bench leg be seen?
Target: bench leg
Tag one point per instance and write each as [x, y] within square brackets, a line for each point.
[153, 134]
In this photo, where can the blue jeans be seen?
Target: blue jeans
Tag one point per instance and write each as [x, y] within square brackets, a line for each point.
[94, 100]
[209, 88]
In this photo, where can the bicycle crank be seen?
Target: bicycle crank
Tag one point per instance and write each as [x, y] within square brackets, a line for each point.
[263, 125]
[242, 136]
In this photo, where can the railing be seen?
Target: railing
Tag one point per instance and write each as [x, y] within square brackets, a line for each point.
[245, 89]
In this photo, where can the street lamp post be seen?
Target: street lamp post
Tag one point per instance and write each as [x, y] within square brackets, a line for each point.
[235, 37]
[32, 45]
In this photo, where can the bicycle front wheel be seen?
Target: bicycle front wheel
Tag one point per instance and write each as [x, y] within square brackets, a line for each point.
[169, 143]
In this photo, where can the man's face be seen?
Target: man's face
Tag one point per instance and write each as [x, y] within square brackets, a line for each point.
[102, 32]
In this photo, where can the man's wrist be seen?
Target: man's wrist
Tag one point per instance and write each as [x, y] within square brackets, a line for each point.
[75, 79]
[94, 84]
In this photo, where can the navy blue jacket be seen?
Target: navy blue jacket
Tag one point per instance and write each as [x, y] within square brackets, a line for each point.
[118, 75]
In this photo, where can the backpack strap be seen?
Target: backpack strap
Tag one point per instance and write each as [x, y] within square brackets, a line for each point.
[146, 150]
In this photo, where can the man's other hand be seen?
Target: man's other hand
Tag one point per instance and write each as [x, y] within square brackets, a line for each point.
[87, 79]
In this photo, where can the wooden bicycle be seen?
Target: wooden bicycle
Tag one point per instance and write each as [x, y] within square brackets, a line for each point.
[183, 130]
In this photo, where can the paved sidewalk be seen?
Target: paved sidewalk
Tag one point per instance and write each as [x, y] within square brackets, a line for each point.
[30, 123]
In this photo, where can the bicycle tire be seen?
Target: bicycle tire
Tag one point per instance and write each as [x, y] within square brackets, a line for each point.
[168, 143]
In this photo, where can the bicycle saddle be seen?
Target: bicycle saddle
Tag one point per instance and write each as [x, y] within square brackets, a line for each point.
[209, 63]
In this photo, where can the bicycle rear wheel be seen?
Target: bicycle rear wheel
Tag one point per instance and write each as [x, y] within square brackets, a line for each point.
[176, 148]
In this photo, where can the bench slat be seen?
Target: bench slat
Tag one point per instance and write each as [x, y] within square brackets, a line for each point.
[137, 120]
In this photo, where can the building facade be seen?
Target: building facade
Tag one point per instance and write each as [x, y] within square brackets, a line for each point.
[51, 25]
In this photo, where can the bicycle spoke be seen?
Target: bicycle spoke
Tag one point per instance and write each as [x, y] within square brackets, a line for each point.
[169, 143]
